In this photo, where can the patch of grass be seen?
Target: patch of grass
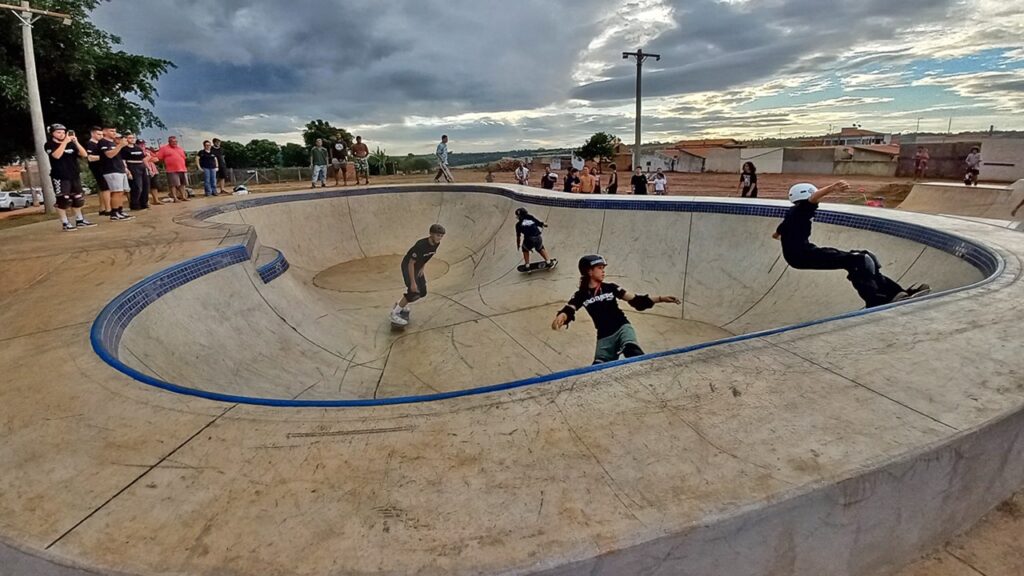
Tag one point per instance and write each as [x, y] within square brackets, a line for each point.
[22, 220]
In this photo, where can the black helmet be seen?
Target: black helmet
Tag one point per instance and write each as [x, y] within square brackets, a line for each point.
[437, 229]
[589, 261]
[55, 127]
[520, 212]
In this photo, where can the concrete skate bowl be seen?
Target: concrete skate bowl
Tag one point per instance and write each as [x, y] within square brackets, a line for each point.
[811, 439]
[986, 201]
[315, 331]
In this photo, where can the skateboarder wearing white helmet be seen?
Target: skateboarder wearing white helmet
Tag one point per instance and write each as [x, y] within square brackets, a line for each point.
[862, 267]
[615, 335]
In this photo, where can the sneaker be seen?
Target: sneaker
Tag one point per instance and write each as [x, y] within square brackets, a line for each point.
[104, 213]
[919, 290]
[404, 313]
[397, 319]
[67, 227]
[83, 223]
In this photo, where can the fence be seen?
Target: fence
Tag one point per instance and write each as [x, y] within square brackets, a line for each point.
[252, 176]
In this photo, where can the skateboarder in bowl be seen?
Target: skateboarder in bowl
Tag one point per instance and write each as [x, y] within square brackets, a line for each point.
[862, 267]
[412, 272]
[528, 237]
[615, 335]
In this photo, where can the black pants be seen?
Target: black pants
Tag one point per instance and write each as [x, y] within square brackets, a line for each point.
[751, 191]
[138, 187]
[873, 287]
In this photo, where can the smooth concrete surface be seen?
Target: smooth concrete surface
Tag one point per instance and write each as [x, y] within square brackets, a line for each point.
[982, 201]
[846, 448]
[321, 332]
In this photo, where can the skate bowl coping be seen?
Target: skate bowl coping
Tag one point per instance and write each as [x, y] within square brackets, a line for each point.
[281, 339]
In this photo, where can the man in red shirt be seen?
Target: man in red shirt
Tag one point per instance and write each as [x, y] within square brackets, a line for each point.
[173, 157]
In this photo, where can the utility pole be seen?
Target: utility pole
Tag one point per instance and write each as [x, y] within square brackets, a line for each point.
[28, 16]
[918, 126]
[640, 56]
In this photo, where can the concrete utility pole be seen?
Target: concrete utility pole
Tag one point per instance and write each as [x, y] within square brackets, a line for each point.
[28, 16]
[640, 56]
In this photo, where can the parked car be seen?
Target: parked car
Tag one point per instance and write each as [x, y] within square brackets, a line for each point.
[12, 200]
[33, 192]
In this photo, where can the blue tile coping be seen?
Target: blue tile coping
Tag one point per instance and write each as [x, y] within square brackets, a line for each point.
[112, 321]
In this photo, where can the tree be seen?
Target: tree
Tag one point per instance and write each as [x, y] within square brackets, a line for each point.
[379, 160]
[417, 164]
[263, 153]
[600, 147]
[235, 154]
[294, 155]
[329, 134]
[83, 79]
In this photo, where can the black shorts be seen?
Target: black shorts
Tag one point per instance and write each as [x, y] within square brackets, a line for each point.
[222, 174]
[68, 194]
[101, 182]
[413, 294]
[533, 243]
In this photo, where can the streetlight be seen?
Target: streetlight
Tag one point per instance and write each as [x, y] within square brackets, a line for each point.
[28, 16]
[640, 56]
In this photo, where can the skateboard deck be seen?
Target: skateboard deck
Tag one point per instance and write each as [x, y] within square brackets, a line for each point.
[447, 173]
[396, 326]
[535, 266]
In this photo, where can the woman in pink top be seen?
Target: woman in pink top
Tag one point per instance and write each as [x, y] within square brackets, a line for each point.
[149, 161]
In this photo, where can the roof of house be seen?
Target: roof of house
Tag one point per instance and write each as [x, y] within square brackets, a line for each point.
[709, 143]
[857, 132]
[699, 153]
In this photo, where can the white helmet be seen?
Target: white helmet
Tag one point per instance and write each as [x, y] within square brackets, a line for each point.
[801, 192]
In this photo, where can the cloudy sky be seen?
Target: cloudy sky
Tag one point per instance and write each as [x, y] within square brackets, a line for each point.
[530, 73]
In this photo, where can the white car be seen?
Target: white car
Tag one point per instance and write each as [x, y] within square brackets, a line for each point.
[13, 200]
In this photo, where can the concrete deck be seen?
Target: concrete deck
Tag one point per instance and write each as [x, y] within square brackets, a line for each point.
[845, 447]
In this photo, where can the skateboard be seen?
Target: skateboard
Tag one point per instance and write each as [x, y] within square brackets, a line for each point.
[534, 266]
[404, 315]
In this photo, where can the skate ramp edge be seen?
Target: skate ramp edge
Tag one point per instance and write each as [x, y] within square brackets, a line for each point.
[757, 306]
[982, 201]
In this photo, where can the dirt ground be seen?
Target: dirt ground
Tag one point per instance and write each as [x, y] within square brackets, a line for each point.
[863, 188]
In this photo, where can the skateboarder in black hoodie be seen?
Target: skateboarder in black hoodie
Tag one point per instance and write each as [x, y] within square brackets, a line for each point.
[862, 267]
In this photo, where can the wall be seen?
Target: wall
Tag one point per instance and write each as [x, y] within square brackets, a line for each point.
[688, 163]
[947, 159]
[809, 160]
[1007, 151]
[881, 168]
[722, 160]
[767, 160]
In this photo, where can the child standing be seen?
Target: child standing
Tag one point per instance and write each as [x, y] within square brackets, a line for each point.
[615, 335]
[412, 273]
[862, 267]
[528, 237]
[973, 162]
[748, 180]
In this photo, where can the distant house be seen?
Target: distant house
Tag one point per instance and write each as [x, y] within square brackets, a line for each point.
[853, 137]
[708, 143]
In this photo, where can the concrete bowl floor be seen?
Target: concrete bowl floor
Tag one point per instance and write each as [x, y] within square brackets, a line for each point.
[845, 448]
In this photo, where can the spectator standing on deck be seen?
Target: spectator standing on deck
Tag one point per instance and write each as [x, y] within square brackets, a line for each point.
[114, 172]
[973, 162]
[206, 161]
[134, 157]
[522, 174]
[173, 157]
[638, 182]
[613, 180]
[441, 153]
[65, 150]
[339, 162]
[587, 181]
[660, 183]
[748, 180]
[572, 181]
[361, 153]
[921, 159]
[95, 159]
[222, 167]
[318, 161]
[548, 180]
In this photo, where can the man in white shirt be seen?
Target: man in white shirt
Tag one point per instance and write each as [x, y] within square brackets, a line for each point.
[442, 161]
[522, 175]
[660, 183]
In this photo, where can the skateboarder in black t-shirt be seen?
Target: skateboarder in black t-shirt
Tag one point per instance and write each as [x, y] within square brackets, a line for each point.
[862, 267]
[615, 335]
[412, 273]
[528, 237]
